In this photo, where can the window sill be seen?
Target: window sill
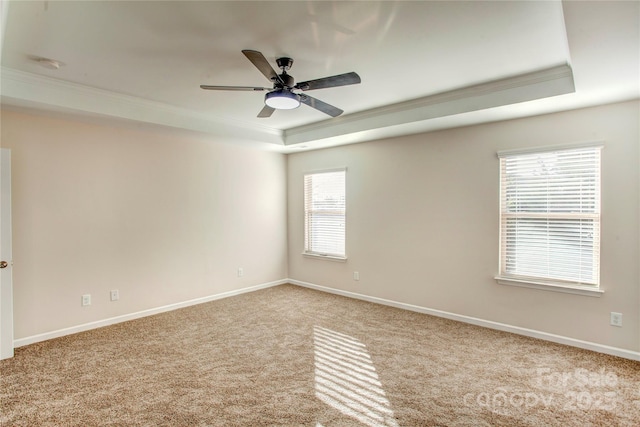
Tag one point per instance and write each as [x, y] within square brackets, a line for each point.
[548, 286]
[327, 257]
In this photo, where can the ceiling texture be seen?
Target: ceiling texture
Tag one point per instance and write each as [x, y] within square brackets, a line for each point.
[424, 65]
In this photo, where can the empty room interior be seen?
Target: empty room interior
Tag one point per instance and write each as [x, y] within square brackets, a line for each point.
[428, 215]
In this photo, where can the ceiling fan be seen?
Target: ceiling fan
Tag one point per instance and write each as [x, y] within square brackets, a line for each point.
[286, 94]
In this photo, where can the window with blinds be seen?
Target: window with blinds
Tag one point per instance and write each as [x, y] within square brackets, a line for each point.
[325, 213]
[550, 216]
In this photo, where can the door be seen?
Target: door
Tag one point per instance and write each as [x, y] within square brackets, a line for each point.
[6, 264]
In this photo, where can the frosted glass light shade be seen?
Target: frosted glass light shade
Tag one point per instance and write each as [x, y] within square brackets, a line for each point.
[282, 100]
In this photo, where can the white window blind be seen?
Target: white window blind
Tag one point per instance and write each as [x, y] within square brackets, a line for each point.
[550, 216]
[325, 213]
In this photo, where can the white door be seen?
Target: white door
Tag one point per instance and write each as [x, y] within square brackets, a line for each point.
[6, 287]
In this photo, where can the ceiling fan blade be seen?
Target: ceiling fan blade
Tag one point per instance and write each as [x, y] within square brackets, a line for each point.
[250, 88]
[266, 111]
[333, 81]
[320, 105]
[262, 65]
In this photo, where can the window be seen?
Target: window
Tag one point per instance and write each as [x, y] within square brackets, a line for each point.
[550, 216]
[325, 213]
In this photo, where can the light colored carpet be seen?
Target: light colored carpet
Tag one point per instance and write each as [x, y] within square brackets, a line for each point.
[291, 356]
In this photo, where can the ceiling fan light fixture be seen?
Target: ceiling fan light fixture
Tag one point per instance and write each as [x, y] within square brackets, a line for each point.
[282, 99]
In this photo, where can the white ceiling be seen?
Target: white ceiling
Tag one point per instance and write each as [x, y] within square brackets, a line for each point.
[424, 65]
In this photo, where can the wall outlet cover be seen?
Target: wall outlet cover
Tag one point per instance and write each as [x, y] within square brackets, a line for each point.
[616, 319]
[86, 299]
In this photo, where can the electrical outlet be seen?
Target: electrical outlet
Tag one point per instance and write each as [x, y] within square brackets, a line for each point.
[616, 319]
[115, 295]
[240, 271]
[356, 275]
[86, 300]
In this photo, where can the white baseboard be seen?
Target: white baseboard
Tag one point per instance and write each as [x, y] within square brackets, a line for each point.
[126, 317]
[614, 351]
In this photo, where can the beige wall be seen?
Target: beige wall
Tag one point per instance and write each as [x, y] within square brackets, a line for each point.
[422, 223]
[166, 218]
[160, 217]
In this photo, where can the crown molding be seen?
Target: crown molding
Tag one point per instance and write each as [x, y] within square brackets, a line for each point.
[540, 84]
[26, 89]
[34, 91]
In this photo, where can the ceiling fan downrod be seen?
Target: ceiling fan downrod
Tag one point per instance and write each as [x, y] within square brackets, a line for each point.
[285, 64]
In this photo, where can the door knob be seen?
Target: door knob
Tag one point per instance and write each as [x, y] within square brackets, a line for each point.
[3, 264]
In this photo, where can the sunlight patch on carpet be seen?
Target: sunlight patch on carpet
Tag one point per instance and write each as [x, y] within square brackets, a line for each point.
[346, 379]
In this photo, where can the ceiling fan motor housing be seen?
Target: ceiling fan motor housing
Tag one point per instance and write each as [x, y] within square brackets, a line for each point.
[287, 80]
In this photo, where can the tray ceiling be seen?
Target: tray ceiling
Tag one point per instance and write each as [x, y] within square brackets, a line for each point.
[424, 65]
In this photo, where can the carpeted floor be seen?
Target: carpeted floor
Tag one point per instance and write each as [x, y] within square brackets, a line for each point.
[290, 356]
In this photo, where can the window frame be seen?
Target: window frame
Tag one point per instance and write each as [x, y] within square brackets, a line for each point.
[307, 252]
[550, 284]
